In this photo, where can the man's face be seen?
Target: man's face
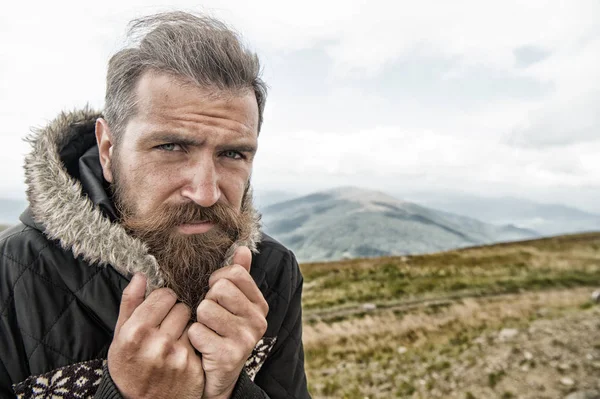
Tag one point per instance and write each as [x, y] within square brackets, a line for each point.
[186, 144]
[180, 173]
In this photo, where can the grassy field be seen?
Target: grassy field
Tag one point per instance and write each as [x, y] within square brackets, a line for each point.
[502, 321]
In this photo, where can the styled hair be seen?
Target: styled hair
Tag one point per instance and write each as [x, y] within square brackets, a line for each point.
[194, 48]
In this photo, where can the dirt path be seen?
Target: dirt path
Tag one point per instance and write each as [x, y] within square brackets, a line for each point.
[402, 305]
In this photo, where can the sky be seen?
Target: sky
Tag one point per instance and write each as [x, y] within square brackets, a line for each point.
[491, 98]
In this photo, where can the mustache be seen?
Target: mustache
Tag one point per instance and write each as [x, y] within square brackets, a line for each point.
[169, 216]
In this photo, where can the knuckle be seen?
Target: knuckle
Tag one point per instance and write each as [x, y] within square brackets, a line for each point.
[239, 355]
[183, 309]
[163, 343]
[264, 305]
[238, 271]
[250, 340]
[134, 336]
[178, 357]
[202, 310]
[165, 294]
[258, 322]
[262, 325]
[222, 285]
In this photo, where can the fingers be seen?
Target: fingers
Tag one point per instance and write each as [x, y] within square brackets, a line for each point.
[185, 341]
[215, 317]
[154, 309]
[230, 297]
[243, 281]
[133, 296]
[176, 321]
[203, 339]
[245, 330]
[243, 257]
[219, 351]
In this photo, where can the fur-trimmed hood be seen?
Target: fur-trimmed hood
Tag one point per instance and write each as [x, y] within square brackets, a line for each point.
[59, 203]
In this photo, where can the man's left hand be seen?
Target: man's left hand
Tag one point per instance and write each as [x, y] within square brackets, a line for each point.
[231, 321]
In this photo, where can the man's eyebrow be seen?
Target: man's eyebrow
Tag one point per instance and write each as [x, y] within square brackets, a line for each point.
[167, 137]
[251, 149]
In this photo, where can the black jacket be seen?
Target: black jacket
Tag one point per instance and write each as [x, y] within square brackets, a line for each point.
[64, 267]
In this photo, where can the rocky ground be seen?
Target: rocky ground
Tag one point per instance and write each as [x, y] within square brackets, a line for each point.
[554, 358]
[529, 345]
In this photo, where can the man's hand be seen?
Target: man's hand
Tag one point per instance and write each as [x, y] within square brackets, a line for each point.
[231, 320]
[151, 355]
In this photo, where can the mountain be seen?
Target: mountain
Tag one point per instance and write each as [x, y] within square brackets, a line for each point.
[351, 222]
[10, 209]
[264, 198]
[547, 219]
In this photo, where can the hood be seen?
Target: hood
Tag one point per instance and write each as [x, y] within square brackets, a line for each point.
[72, 206]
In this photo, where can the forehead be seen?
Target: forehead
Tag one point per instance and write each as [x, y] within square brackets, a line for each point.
[167, 100]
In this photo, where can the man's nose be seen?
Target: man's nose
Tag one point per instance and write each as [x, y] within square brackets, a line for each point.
[203, 184]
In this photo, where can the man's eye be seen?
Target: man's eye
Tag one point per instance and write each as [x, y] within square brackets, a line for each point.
[233, 155]
[169, 147]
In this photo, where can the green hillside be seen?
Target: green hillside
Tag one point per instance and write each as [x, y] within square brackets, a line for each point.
[433, 325]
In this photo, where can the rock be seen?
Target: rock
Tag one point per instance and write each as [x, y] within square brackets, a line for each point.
[508, 334]
[402, 350]
[528, 355]
[584, 395]
[563, 367]
[567, 381]
[596, 296]
[480, 340]
[369, 306]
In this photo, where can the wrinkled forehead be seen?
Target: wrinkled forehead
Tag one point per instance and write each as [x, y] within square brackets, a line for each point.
[163, 98]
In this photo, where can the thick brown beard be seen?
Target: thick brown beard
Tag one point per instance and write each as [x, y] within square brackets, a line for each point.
[186, 261]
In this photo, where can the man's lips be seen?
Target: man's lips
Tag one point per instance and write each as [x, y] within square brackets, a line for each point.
[195, 228]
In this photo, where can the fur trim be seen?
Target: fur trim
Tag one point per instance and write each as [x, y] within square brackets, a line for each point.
[57, 202]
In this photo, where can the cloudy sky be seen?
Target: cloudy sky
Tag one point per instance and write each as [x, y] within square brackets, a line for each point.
[487, 97]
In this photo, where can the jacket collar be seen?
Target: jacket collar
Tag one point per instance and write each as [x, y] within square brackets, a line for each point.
[68, 200]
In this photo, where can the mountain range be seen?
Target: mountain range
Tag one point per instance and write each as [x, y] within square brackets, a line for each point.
[547, 219]
[352, 222]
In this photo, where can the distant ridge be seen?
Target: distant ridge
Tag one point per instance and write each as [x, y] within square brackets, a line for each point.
[349, 222]
[547, 219]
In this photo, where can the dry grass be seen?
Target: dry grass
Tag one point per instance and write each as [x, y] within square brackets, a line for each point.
[363, 357]
[450, 349]
[420, 325]
[569, 261]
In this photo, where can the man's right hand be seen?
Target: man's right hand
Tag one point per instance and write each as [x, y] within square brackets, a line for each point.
[151, 355]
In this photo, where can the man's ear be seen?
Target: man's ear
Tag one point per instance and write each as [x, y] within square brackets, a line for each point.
[105, 141]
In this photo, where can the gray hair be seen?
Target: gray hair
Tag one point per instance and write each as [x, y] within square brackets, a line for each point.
[195, 48]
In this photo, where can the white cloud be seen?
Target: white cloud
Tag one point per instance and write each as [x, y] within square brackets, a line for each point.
[54, 56]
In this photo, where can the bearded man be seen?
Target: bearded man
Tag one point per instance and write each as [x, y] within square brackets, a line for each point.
[139, 269]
